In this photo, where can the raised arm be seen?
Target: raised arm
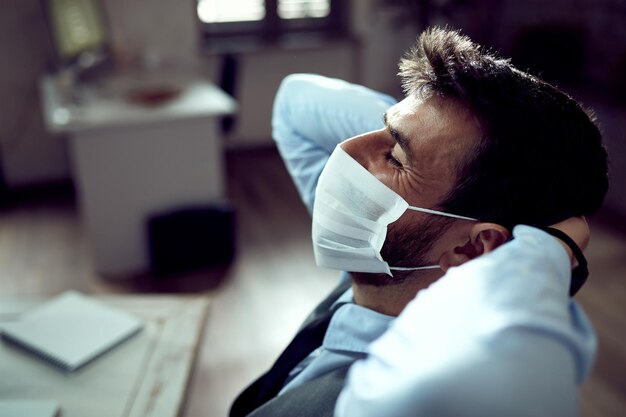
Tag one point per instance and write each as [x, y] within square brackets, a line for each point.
[496, 336]
[312, 114]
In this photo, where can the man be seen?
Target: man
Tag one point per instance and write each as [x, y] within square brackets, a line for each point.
[429, 183]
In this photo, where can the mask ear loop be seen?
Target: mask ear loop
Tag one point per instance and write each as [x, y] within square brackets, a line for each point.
[441, 213]
[580, 272]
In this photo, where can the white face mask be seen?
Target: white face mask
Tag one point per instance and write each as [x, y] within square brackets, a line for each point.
[350, 217]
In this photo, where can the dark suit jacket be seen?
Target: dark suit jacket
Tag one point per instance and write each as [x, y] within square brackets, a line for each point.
[314, 398]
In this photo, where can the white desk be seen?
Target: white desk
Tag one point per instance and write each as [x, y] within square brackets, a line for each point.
[130, 161]
[145, 376]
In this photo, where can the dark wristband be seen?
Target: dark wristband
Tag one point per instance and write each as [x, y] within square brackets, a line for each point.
[580, 272]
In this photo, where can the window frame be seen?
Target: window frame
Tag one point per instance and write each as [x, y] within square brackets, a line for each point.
[272, 28]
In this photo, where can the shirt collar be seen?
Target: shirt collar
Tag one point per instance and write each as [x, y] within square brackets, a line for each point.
[353, 327]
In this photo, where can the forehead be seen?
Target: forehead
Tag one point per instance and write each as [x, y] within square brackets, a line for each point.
[437, 129]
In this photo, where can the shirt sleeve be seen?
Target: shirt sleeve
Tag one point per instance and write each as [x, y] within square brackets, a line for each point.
[312, 114]
[496, 336]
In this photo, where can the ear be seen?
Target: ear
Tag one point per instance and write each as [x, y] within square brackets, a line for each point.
[482, 238]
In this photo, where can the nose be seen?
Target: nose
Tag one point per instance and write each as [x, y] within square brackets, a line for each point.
[366, 148]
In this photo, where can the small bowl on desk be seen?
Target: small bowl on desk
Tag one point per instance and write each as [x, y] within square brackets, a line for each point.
[152, 96]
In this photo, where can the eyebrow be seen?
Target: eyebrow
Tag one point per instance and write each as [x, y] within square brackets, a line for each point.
[402, 140]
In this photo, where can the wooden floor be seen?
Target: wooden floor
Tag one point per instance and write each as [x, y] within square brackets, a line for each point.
[260, 300]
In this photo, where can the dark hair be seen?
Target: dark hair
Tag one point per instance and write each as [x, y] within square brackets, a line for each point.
[540, 159]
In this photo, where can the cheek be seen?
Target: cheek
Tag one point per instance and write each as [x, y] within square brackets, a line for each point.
[407, 221]
[406, 185]
[380, 167]
[391, 178]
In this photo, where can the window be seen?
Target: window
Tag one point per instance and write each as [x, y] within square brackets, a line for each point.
[302, 9]
[269, 19]
[222, 11]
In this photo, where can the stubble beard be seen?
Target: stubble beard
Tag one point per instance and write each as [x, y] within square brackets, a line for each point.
[405, 247]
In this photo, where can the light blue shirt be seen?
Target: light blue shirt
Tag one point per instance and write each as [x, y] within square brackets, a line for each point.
[350, 332]
[497, 336]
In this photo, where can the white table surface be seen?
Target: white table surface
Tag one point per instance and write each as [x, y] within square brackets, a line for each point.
[105, 103]
[145, 376]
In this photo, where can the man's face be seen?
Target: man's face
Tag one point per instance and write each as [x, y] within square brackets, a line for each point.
[417, 155]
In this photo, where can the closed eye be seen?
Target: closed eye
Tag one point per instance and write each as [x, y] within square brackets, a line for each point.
[397, 136]
[392, 160]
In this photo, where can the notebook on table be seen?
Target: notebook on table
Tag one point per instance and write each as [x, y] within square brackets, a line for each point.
[71, 330]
